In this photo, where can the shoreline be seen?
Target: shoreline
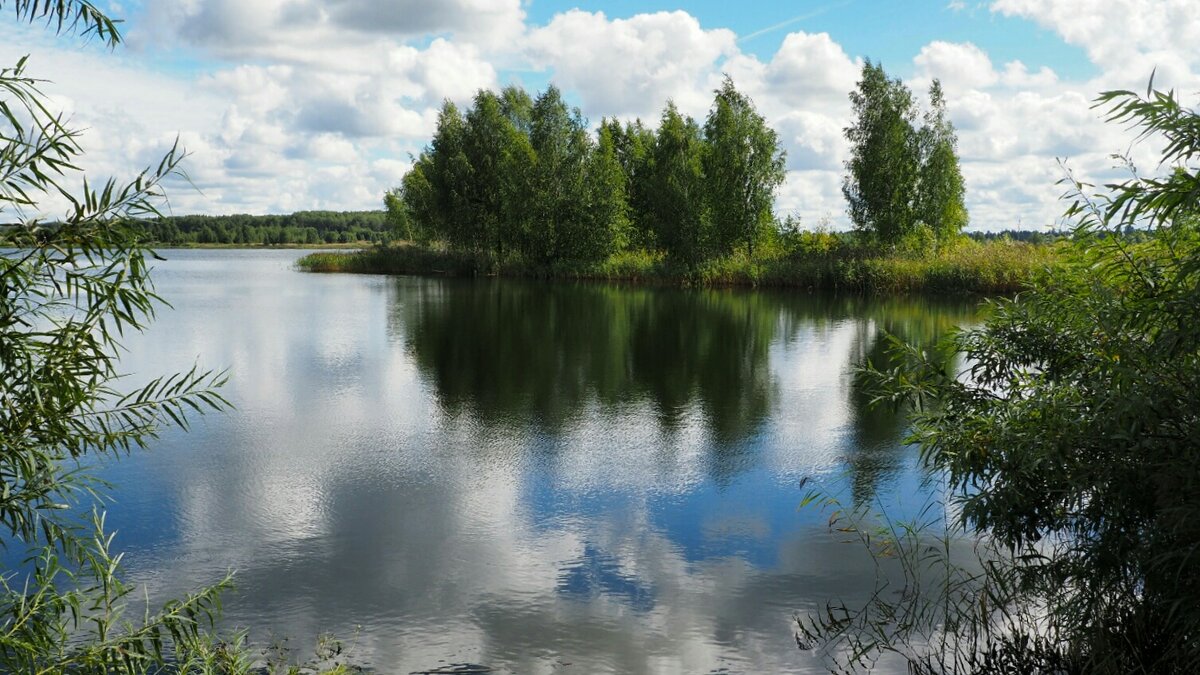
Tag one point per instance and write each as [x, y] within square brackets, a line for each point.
[993, 269]
[351, 247]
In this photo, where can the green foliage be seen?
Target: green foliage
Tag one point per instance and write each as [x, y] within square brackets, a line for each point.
[518, 108]
[607, 210]
[1028, 236]
[519, 161]
[448, 171]
[677, 202]
[561, 145]
[80, 17]
[1069, 448]
[396, 259]
[71, 290]
[743, 167]
[882, 171]
[419, 197]
[486, 147]
[920, 239]
[941, 192]
[329, 656]
[807, 260]
[523, 182]
[794, 241]
[899, 176]
[399, 222]
[633, 144]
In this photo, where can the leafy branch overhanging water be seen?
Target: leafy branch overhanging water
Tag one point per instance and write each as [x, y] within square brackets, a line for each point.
[1068, 450]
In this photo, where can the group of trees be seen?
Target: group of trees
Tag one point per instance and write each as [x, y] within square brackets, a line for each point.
[516, 176]
[1068, 453]
[303, 227]
[902, 180]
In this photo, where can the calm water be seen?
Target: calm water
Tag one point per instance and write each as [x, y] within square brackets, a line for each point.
[537, 478]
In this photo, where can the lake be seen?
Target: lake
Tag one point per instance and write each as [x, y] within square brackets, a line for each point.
[538, 478]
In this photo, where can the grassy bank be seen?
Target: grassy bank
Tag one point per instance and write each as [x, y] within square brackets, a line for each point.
[352, 246]
[997, 267]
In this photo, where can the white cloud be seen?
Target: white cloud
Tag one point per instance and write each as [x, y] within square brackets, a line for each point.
[1014, 127]
[279, 135]
[1116, 32]
[814, 140]
[295, 104]
[959, 66]
[1017, 75]
[815, 196]
[811, 66]
[444, 70]
[297, 28]
[630, 67]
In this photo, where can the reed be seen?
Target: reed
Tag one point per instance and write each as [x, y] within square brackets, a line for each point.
[966, 267]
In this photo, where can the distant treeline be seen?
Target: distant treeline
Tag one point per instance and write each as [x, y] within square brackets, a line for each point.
[1027, 236]
[303, 227]
[1130, 233]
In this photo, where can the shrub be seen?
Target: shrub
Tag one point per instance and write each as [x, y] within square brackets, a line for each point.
[1070, 449]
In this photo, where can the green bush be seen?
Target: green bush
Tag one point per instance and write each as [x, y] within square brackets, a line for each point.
[1069, 449]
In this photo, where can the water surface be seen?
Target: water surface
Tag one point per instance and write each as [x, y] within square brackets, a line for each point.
[537, 478]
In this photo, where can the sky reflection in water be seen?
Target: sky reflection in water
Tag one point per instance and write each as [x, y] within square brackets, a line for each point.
[517, 475]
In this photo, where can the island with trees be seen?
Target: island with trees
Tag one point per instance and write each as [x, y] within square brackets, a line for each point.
[519, 186]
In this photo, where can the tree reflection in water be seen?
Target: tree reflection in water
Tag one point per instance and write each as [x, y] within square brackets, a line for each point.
[522, 354]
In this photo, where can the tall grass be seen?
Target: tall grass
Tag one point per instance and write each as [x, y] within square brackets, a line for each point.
[398, 259]
[966, 266]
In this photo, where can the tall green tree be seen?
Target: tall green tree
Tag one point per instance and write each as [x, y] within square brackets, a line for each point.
[488, 145]
[517, 107]
[677, 201]
[398, 219]
[518, 189]
[420, 201]
[743, 167]
[882, 173]
[940, 197]
[449, 178]
[519, 174]
[560, 141]
[633, 144]
[518, 181]
[607, 208]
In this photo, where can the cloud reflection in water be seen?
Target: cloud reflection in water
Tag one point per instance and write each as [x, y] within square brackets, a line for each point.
[513, 474]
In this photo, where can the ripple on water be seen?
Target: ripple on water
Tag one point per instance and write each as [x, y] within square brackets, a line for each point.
[535, 478]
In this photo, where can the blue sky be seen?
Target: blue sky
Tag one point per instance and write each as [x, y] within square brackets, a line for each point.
[884, 30]
[302, 104]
